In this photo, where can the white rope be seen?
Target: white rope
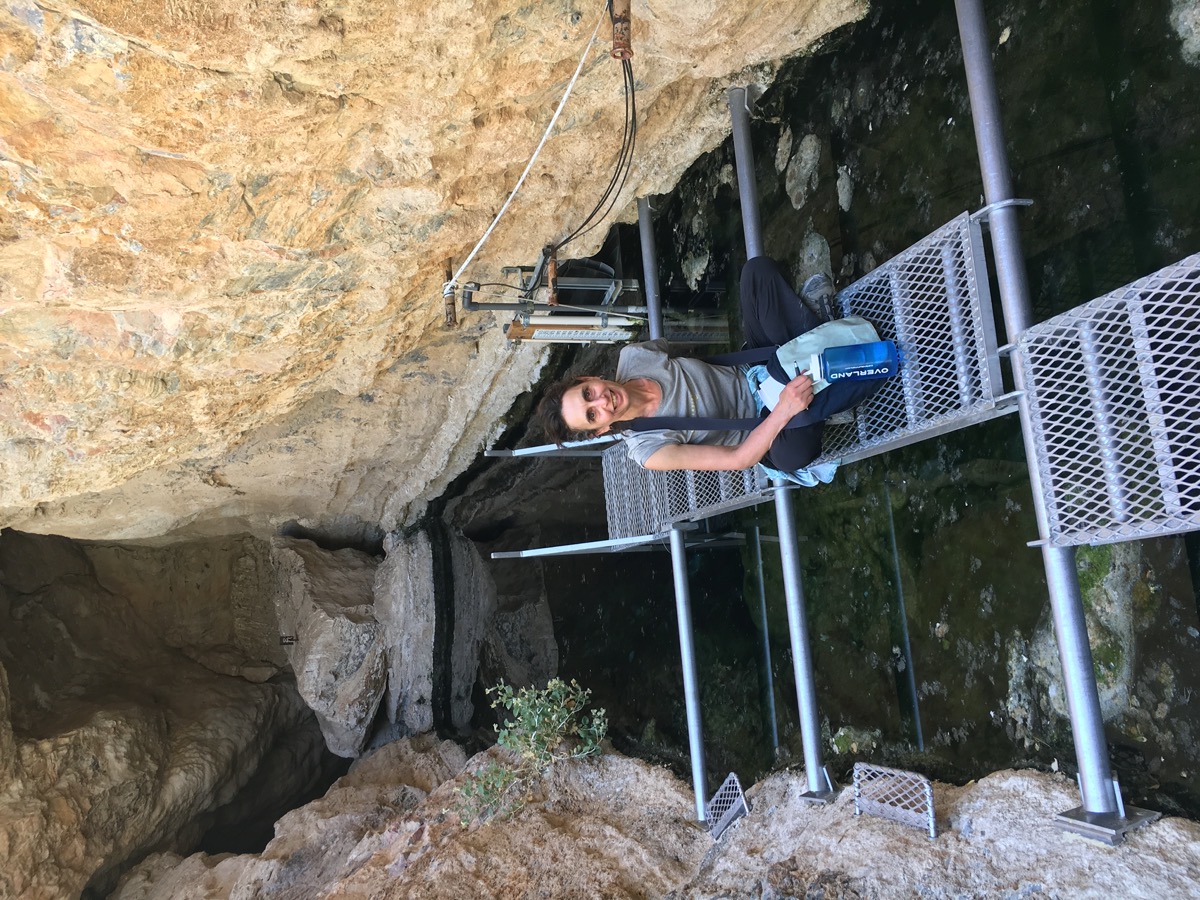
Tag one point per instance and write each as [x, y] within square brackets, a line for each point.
[448, 287]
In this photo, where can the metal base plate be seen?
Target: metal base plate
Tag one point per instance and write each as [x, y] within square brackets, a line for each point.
[818, 798]
[1107, 827]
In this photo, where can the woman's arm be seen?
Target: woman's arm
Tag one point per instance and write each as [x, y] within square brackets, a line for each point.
[795, 397]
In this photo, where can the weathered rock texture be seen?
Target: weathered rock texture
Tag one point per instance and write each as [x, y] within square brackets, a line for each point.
[474, 605]
[405, 607]
[146, 698]
[618, 828]
[317, 846]
[358, 631]
[114, 742]
[226, 227]
[325, 604]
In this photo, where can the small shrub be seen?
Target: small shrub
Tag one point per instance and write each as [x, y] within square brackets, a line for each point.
[547, 726]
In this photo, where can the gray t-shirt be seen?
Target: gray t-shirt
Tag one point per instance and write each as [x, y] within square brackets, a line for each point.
[689, 388]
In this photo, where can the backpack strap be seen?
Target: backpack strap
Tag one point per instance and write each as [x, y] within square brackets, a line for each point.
[702, 423]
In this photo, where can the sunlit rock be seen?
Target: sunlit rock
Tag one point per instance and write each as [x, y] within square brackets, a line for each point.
[325, 604]
[225, 230]
[406, 609]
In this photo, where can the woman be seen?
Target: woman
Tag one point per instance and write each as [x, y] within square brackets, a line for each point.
[651, 383]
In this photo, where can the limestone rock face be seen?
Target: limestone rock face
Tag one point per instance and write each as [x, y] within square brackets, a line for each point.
[612, 827]
[619, 828]
[325, 602]
[520, 646]
[224, 229]
[209, 599]
[474, 605]
[1113, 583]
[320, 843]
[404, 606]
[112, 740]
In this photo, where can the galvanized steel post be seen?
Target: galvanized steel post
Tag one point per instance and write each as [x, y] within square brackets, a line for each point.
[820, 787]
[764, 636]
[687, 650]
[650, 269]
[1102, 814]
[739, 111]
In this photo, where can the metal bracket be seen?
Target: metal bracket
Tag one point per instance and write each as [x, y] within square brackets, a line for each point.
[1108, 828]
[727, 805]
[982, 214]
[823, 797]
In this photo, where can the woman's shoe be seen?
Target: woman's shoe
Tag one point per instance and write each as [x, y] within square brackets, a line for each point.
[817, 295]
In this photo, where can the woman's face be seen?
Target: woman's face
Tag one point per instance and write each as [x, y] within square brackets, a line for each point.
[593, 404]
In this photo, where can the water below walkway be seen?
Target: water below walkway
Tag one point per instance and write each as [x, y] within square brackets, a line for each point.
[863, 148]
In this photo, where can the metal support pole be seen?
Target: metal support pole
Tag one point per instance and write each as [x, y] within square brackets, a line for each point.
[764, 634]
[650, 268]
[820, 789]
[1100, 816]
[739, 111]
[687, 650]
[910, 675]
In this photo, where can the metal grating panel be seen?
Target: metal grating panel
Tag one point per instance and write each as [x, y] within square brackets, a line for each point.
[933, 301]
[727, 805]
[1113, 390]
[641, 501]
[903, 797]
[933, 304]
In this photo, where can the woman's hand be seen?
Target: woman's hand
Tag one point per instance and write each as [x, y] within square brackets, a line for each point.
[796, 396]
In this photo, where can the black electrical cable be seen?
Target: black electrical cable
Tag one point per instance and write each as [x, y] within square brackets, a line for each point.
[624, 164]
[624, 160]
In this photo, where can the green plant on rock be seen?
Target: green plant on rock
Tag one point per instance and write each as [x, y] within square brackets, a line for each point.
[486, 793]
[547, 726]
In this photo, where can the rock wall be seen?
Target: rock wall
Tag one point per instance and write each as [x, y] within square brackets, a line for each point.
[405, 607]
[335, 645]
[226, 227]
[615, 827]
[113, 741]
[146, 698]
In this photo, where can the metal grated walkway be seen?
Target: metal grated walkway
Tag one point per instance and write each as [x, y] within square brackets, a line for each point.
[1113, 388]
[933, 301]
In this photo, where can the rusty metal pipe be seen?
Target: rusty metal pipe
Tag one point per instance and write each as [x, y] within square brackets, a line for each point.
[552, 275]
[622, 47]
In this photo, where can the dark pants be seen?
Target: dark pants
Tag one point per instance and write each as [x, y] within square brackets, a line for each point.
[772, 314]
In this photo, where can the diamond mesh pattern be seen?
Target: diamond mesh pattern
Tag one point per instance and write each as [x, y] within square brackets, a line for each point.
[640, 501]
[1113, 389]
[727, 805]
[931, 302]
[903, 797]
